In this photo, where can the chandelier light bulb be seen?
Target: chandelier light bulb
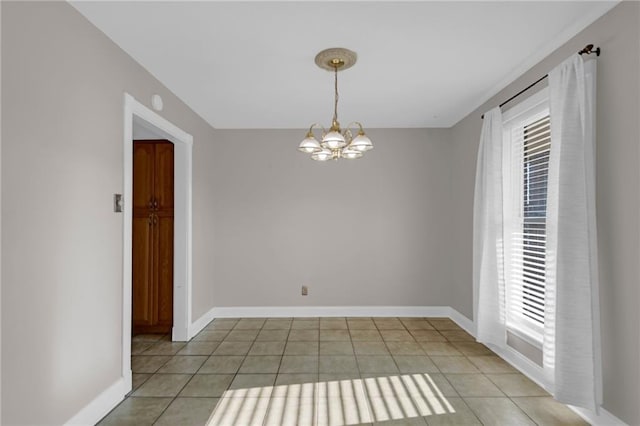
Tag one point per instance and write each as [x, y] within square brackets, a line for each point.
[322, 155]
[361, 143]
[351, 154]
[334, 140]
[309, 145]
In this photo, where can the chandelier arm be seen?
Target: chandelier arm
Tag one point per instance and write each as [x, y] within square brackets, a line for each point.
[357, 123]
[324, 131]
[348, 136]
[312, 126]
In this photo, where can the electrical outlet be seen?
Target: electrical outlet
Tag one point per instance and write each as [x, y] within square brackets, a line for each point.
[305, 290]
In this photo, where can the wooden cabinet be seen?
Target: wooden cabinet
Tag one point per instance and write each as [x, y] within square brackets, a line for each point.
[152, 298]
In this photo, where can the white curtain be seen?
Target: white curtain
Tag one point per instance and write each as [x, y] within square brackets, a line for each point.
[488, 272]
[572, 318]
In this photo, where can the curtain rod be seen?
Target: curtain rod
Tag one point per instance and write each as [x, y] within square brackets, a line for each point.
[588, 49]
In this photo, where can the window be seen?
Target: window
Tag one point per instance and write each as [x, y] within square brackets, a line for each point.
[527, 142]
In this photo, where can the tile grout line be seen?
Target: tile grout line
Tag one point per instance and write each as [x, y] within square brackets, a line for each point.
[264, 421]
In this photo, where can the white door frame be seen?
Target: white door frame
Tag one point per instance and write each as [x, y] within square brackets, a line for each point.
[136, 113]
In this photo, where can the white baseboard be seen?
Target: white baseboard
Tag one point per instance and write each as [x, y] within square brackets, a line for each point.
[330, 311]
[101, 405]
[197, 326]
[603, 418]
[464, 322]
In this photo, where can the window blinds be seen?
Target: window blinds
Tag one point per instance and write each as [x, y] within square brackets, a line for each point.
[528, 142]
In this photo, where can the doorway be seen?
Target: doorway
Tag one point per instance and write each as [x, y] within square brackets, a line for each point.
[149, 125]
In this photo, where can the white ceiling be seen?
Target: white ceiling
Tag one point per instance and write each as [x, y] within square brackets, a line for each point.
[420, 64]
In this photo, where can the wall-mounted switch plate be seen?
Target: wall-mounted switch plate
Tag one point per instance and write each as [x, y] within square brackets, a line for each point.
[305, 290]
[117, 203]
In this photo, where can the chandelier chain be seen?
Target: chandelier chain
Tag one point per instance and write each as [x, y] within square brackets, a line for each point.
[335, 103]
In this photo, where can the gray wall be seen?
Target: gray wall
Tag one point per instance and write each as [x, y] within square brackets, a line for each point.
[618, 197]
[371, 232]
[62, 104]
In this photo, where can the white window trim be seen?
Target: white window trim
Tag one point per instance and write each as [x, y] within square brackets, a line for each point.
[540, 98]
[536, 104]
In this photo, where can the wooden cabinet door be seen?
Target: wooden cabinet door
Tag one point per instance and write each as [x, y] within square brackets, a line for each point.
[142, 279]
[143, 176]
[152, 280]
[163, 267]
[163, 163]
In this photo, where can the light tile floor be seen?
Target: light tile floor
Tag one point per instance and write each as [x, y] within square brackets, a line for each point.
[329, 371]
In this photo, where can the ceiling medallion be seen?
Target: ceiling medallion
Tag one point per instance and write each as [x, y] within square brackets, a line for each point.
[336, 143]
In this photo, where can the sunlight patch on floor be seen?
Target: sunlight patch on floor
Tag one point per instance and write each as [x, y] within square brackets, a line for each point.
[333, 403]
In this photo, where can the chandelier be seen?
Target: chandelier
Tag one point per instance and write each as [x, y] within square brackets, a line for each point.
[336, 143]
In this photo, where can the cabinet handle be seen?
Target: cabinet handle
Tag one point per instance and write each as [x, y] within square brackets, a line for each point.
[151, 203]
[150, 219]
[155, 219]
[155, 204]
